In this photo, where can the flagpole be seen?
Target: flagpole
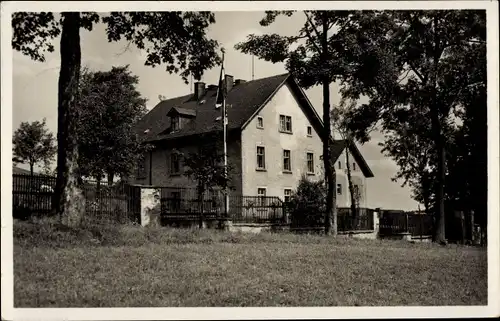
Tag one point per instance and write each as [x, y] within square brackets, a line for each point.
[224, 119]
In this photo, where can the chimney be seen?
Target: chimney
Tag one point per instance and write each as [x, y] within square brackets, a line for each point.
[229, 82]
[199, 90]
[239, 81]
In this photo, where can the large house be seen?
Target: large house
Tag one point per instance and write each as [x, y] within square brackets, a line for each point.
[273, 138]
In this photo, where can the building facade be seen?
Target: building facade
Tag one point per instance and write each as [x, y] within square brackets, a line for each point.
[273, 139]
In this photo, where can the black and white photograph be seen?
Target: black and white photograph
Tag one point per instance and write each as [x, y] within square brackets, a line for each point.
[249, 154]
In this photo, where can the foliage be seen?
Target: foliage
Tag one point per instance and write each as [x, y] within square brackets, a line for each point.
[33, 144]
[176, 39]
[469, 164]
[109, 106]
[307, 204]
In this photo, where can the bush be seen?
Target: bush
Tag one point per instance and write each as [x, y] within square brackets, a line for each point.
[307, 204]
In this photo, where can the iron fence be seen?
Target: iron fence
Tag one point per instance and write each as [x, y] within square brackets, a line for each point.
[33, 195]
[257, 209]
[396, 222]
[186, 204]
[363, 221]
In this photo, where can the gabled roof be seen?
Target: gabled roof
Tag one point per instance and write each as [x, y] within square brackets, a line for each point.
[338, 146]
[242, 102]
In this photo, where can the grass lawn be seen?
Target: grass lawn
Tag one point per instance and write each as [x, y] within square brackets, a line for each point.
[159, 267]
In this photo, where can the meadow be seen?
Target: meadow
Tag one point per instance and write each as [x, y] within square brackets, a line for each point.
[132, 266]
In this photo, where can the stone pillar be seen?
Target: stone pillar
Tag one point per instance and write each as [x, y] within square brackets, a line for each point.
[376, 222]
[150, 206]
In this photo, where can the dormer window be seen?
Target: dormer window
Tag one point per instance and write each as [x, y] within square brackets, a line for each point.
[176, 113]
[175, 123]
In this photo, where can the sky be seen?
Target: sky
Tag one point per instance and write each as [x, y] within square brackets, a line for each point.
[35, 86]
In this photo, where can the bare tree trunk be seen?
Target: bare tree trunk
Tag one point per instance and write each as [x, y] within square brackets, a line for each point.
[32, 168]
[111, 177]
[98, 184]
[69, 199]
[439, 234]
[331, 208]
[351, 189]
[441, 220]
[439, 229]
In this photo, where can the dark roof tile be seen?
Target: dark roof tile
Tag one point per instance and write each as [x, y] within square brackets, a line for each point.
[242, 102]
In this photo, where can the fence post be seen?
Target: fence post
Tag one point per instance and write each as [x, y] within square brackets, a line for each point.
[421, 227]
[471, 222]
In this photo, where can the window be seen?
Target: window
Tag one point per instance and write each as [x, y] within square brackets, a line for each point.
[175, 123]
[310, 163]
[175, 164]
[260, 122]
[285, 124]
[340, 165]
[339, 189]
[261, 158]
[353, 166]
[288, 195]
[287, 162]
[261, 193]
[309, 131]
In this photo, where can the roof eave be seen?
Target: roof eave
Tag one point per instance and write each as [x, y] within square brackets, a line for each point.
[308, 102]
[367, 172]
[155, 140]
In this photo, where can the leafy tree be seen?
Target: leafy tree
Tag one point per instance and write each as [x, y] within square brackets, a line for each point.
[309, 56]
[411, 147]
[33, 144]
[466, 179]
[109, 106]
[205, 166]
[414, 59]
[469, 157]
[341, 119]
[176, 39]
[409, 144]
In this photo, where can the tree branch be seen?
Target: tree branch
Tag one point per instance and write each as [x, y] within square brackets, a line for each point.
[127, 48]
[309, 34]
[293, 39]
